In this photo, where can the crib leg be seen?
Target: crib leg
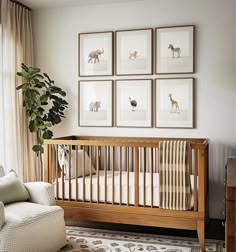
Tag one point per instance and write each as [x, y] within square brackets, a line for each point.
[201, 234]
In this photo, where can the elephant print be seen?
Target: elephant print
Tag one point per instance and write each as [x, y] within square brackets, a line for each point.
[94, 56]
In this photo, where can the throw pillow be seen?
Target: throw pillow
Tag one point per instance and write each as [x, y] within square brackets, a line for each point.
[11, 189]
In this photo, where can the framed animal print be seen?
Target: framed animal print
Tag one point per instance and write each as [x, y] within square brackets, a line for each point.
[175, 49]
[174, 103]
[134, 103]
[96, 54]
[134, 52]
[95, 103]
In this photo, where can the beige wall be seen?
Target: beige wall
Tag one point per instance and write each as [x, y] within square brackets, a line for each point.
[56, 49]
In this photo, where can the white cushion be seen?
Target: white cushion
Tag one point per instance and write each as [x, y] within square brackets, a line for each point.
[32, 227]
[11, 189]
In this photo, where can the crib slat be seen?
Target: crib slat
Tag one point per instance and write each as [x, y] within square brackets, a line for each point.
[69, 160]
[97, 167]
[156, 154]
[120, 175]
[151, 164]
[83, 167]
[50, 164]
[62, 182]
[113, 167]
[76, 172]
[105, 170]
[53, 163]
[144, 176]
[136, 172]
[57, 193]
[127, 169]
[90, 183]
[46, 165]
[195, 179]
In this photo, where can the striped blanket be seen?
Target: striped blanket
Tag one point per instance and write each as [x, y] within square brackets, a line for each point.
[175, 159]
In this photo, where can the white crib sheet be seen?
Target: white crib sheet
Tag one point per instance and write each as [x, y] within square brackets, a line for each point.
[116, 188]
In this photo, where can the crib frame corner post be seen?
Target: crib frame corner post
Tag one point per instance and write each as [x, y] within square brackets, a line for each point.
[136, 172]
[46, 160]
[202, 185]
[201, 234]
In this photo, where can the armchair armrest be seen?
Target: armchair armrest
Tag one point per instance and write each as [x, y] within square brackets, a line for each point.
[41, 193]
[2, 215]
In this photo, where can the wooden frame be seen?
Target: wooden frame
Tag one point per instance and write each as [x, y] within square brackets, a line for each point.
[175, 49]
[174, 103]
[96, 103]
[134, 52]
[104, 211]
[133, 103]
[96, 54]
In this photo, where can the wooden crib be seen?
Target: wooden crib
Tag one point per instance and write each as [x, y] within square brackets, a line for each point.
[115, 179]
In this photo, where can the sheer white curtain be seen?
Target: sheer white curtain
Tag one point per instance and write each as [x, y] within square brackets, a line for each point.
[15, 140]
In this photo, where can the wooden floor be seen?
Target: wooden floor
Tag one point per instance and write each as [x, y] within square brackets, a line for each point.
[214, 229]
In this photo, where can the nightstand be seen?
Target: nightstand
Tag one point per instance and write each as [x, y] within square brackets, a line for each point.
[230, 224]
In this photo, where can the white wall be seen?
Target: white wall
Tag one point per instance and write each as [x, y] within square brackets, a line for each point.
[56, 52]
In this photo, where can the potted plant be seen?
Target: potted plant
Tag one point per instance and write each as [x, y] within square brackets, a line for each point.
[44, 104]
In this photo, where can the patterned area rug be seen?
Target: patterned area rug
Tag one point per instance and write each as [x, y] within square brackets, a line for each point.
[98, 240]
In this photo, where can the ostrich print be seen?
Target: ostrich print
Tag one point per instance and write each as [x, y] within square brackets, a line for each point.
[133, 103]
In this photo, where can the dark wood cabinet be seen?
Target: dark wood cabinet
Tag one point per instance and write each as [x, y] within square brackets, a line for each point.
[230, 225]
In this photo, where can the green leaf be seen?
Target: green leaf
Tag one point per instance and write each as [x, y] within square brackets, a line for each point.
[35, 76]
[37, 148]
[24, 67]
[41, 110]
[44, 103]
[55, 89]
[33, 125]
[21, 86]
[33, 70]
[33, 116]
[23, 74]
[39, 85]
[47, 134]
[44, 98]
[62, 93]
[64, 102]
[54, 97]
[49, 80]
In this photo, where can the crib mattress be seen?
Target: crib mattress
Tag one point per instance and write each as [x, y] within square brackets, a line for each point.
[125, 187]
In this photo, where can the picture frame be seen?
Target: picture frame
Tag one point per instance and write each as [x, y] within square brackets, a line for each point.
[134, 52]
[174, 103]
[175, 49]
[96, 54]
[96, 103]
[134, 103]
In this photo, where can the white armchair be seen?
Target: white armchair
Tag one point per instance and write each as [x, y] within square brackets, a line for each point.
[36, 225]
